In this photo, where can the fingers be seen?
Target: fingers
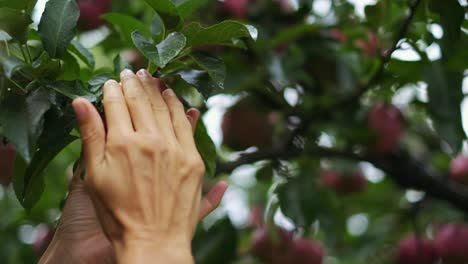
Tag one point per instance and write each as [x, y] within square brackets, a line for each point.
[212, 200]
[115, 107]
[138, 102]
[180, 123]
[92, 130]
[193, 115]
[152, 87]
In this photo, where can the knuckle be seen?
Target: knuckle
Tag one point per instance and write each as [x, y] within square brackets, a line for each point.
[197, 166]
[182, 123]
[146, 145]
[120, 142]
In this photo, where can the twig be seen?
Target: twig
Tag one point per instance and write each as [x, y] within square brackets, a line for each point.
[385, 59]
[400, 166]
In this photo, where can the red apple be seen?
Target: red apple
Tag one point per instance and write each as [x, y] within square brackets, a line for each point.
[343, 184]
[256, 217]
[7, 162]
[286, 6]
[451, 244]
[338, 35]
[459, 169]
[42, 239]
[269, 249]
[306, 252]
[329, 178]
[386, 121]
[370, 47]
[416, 250]
[245, 125]
[90, 11]
[237, 8]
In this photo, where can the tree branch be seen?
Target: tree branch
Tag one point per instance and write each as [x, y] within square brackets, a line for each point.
[385, 59]
[404, 170]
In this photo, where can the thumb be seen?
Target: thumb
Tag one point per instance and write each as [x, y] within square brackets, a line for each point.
[212, 199]
[91, 129]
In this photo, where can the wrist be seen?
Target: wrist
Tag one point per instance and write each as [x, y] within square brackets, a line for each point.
[153, 252]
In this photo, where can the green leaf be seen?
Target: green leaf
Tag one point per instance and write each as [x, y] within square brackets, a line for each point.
[167, 10]
[22, 120]
[27, 5]
[158, 30]
[82, 53]
[265, 173]
[217, 244]
[213, 65]
[452, 15]
[58, 26]
[201, 80]
[170, 47]
[71, 68]
[72, 89]
[187, 7]
[162, 53]
[148, 49]
[163, 6]
[10, 64]
[15, 22]
[445, 97]
[125, 25]
[54, 138]
[97, 82]
[223, 33]
[206, 148]
[120, 65]
[298, 199]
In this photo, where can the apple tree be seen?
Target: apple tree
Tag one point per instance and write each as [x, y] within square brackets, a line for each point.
[337, 122]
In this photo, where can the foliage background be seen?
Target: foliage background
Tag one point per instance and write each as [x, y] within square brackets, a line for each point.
[323, 88]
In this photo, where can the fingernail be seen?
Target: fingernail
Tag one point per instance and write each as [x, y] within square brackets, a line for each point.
[126, 73]
[143, 73]
[111, 82]
[193, 111]
[80, 108]
[168, 92]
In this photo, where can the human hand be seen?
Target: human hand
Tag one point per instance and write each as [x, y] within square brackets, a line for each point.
[116, 101]
[79, 237]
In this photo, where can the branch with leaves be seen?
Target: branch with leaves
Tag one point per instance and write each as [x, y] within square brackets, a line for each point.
[403, 169]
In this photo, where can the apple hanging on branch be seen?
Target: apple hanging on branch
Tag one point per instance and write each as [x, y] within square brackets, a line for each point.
[91, 11]
[414, 249]
[247, 124]
[386, 121]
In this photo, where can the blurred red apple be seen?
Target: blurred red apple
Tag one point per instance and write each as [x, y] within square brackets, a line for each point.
[338, 35]
[90, 11]
[386, 121]
[370, 47]
[245, 125]
[237, 8]
[416, 250]
[42, 239]
[343, 183]
[306, 252]
[451, 244]
[459, 169]
[286, 6]
[269, 249]
[256, 217]
[7, 162]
